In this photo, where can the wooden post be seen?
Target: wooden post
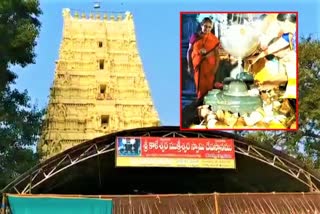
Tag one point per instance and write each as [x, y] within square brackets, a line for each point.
[216, 204]
[3, 204]
[311, 189]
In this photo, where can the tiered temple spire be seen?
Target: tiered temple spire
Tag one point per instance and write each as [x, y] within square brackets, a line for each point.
[99, 86]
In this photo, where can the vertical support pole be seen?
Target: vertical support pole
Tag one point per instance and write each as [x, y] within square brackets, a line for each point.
[216, 204]
[30, 184]
[310, 183]
[3, 204]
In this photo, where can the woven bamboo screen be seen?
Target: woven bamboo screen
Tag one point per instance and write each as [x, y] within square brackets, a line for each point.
[246, 203]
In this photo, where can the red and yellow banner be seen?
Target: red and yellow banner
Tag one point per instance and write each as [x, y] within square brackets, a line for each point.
[175, 152]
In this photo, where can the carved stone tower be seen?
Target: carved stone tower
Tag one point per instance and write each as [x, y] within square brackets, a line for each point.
[99, 85]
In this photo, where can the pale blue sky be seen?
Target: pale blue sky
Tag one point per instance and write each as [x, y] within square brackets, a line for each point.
[157, 30]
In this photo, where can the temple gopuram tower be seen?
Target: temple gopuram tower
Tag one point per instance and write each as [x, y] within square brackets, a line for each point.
[99, 85]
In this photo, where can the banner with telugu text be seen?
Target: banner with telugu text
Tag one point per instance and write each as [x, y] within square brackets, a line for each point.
[175, 152]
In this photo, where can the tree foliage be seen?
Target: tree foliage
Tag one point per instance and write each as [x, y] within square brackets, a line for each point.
[19, 28]
[19, 131]
[305, 143]
[19, 120]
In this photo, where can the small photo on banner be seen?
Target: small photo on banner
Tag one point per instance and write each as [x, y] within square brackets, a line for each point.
[238, 70]
[129, 146]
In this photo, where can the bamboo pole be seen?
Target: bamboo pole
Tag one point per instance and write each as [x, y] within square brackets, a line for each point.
[3, 204]
[310, 184]
[216, 204]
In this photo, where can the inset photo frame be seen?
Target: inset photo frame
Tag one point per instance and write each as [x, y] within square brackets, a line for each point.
[239, 70]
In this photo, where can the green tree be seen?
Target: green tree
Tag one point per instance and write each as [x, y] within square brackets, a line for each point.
[19, 131]
[20, 121]
[305, 143]
[19, 28]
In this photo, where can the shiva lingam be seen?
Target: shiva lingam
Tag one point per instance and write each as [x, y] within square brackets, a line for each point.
[240, 41]
[234, 97]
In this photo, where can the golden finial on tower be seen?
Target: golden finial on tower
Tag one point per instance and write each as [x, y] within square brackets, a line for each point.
[129, 15]
[66, 12]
